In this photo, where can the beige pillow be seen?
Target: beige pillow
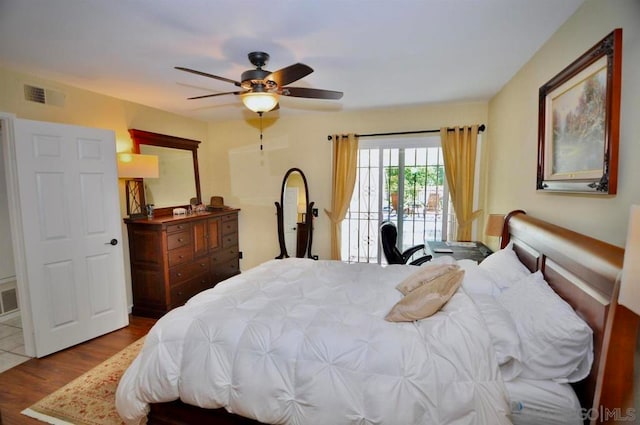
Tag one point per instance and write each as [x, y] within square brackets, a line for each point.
[427, 299]
[426, 274]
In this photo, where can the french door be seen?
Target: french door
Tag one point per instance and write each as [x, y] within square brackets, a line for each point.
[402, 181]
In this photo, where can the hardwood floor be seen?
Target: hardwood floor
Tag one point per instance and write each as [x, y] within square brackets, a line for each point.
[27, 383]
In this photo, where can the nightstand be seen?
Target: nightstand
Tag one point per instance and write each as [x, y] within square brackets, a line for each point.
[476, 251]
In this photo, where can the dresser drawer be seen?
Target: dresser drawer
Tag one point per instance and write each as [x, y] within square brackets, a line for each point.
[229, 217]
[229, 227]
[225, 270]
[181, 293]
[183, 272]
[224, 255]
[180, 255]
[177, 240]
[229, 240]
[182, 227]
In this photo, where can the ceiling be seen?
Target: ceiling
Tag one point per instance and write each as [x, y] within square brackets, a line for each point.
[380, 53]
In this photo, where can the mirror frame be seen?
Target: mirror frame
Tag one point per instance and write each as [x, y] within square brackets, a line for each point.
[141, 137]
[308, 216]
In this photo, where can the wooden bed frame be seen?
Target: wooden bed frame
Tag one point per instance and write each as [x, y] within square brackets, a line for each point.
[585, 272]
[582, 270]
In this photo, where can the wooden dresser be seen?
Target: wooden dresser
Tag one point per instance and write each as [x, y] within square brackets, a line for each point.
[174, 258]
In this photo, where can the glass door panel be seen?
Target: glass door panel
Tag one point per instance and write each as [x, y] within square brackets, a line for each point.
[403, 185]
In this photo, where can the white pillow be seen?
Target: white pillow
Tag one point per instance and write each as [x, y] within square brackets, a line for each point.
[477, 280]
[504, 335]
[543, 402]
[556, 343]
[505, 267]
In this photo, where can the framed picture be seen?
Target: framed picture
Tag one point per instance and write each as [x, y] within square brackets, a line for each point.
[579, 120]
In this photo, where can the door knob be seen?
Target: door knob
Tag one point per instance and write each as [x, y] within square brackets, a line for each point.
[112, 242]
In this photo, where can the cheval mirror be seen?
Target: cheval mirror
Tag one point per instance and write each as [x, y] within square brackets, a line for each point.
[179, 180]
[295, 227]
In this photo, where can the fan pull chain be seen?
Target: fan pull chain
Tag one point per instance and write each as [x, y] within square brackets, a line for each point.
[260, 113]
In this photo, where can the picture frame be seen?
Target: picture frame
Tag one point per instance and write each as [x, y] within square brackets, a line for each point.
[579, 123]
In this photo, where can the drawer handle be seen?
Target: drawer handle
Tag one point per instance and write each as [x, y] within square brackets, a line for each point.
[180, 239]
[203, 265]
[181, 256]
[179, 292]
[179, 274]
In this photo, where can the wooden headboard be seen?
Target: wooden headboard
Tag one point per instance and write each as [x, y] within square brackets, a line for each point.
[585, 273]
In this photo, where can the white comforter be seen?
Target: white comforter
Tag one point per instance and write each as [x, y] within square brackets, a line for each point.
[305, 342]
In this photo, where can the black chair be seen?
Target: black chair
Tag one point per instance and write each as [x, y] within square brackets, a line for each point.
[389, 237]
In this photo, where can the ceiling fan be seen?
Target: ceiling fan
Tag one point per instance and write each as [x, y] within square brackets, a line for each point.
[260, 88]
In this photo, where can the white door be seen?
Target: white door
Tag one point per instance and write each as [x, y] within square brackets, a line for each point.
[69, 223]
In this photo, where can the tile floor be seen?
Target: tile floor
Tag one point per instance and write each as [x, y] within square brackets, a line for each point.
[11, 344]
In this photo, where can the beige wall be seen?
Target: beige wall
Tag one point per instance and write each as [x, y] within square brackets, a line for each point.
[513, 118]
[232, 165]
[89, 109]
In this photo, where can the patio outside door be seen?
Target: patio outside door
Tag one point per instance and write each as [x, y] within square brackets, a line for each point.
[402, 181]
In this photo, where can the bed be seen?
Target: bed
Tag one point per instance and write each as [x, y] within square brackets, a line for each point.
[581, 270]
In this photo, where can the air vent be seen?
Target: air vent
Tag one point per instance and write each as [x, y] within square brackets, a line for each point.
[9, 301]
[34, 94]
[44, 96]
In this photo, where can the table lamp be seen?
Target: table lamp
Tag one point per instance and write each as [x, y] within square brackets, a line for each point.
[134, 168]
[495, 223]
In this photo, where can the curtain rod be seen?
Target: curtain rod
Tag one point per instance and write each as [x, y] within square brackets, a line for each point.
[481, 128]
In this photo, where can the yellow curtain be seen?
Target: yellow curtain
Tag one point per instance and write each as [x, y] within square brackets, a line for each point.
[459, 152]
[345, 157]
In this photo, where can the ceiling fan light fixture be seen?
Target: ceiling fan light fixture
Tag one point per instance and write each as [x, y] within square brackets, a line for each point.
[260, 101]
[261, 89]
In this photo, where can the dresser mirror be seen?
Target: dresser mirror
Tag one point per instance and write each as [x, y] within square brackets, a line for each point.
[294, 211]
[179, 179]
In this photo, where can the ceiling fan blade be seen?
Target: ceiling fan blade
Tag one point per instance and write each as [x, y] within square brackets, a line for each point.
[215, 94]
[204, 74]
[289, 74]
[311, 93]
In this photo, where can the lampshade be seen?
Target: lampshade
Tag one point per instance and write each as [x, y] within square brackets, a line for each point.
[134, 166]
[260, 101]
[495, 223]
[630, 284]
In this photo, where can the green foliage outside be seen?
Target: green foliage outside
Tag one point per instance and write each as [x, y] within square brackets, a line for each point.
[416, 180]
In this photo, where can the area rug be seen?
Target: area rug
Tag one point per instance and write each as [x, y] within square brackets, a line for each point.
[90, 398]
